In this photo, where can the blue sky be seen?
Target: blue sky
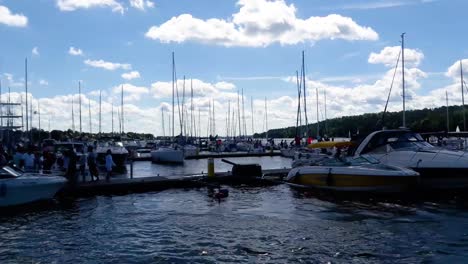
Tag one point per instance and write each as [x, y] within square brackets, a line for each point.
[254, 45]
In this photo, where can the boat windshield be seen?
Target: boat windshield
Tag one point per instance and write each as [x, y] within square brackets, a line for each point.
[8, 172]
[397, 140]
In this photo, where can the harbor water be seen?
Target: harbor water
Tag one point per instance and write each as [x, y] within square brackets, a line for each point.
[272, 224]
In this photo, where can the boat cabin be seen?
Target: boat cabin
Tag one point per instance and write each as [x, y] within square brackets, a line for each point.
[385, 140]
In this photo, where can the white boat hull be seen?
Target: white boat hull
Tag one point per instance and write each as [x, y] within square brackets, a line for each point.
[167, 155]
[28, 189]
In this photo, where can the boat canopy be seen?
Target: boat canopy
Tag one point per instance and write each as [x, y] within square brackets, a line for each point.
[396, 139]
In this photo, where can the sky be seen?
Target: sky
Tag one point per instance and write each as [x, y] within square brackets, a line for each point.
[225, 48]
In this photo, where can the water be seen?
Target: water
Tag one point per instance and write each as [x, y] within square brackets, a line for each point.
[272, 224]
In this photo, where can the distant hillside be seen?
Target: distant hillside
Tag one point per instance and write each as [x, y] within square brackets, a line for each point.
[424, 120]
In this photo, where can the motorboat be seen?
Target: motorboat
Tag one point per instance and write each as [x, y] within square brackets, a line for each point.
[361, 174]
[168, 154]
[118, 151]
[17, 188]
[439, 168]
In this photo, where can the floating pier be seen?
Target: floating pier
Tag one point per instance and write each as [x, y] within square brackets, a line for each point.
[155, 183]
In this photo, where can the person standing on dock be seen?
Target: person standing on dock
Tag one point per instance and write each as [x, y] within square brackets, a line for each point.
[109, 164]
[92, 166]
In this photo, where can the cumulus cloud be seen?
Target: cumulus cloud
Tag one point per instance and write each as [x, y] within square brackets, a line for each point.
[389, 55]
[75, 51]
[72, 5]
[131, 75]
[131, 92]
[10, 19]
[161, 89]
[35, 51]
[110, 66]
[141, 4]
[260, 23]
[454, 70]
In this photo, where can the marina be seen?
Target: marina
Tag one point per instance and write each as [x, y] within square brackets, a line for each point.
[246, 131]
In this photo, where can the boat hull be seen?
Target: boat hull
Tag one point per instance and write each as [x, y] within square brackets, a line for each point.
[24, 190]
[342, 179]
[167, 155]
[120, 159]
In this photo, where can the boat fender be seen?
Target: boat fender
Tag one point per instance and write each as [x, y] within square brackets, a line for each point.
[3, 190]
[329, 177]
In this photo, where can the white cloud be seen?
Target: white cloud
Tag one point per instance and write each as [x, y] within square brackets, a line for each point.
[72, 5]
[35, 51]
[454, 70]
[260, 23]
[131, 75]
[75, 51]
[10, 19]
[108, 65]
[141, 4]
[389, 55]
[43, 82]
[161, 89]
[131, 92]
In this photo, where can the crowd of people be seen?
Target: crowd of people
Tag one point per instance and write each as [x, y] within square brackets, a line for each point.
[72, 162]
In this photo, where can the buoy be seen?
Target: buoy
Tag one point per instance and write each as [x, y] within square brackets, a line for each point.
[211, 170]
[222, 193]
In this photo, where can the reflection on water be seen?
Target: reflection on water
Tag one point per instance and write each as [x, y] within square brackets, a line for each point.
[272, 224]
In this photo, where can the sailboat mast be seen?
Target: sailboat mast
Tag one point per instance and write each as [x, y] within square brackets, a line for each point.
[90, 123]
[79, 102]
[463, 95]
[122, 106]
[100, 111]
[112, 117]
[162, 119]
[239, 113]
[26, 89]
[266, 118]
[252, 113]
[318, 119]
[403, 75]
[73, 115]
[192, 123]
[298, 115]
[446, 101]
[304, 88]
[214, 119]
[326, 120]
[243, 113]
[173, 87]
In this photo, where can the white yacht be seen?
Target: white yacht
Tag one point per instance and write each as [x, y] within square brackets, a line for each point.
[17, 188]
[438, 168]
[119, 153]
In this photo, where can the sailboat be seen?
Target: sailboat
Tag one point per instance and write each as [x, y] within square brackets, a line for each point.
[173, 153]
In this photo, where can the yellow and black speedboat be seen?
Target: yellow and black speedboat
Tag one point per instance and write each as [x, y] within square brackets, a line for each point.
[362, 174]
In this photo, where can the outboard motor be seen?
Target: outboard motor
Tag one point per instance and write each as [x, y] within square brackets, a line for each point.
[245, 170]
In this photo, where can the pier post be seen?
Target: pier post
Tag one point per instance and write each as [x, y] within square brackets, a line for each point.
[211, 170]
[131, 168]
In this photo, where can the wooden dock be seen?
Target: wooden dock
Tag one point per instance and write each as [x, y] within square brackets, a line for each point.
[154, 183]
